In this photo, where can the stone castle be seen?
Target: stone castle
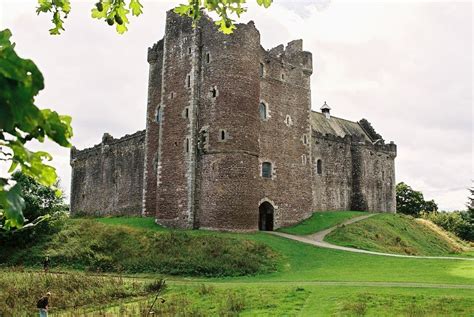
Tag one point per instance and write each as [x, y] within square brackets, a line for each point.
[231, 142]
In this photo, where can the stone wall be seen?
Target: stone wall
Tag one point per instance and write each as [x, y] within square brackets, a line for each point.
[108, 178]
[285, 134]
[332, 184]
[227, 115]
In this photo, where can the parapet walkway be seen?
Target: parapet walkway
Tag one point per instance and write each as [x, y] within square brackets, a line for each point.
[317, 239]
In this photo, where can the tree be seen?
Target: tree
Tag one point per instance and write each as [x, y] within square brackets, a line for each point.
[412, 202]
[40, 200]
[117, 12]
[21, 121]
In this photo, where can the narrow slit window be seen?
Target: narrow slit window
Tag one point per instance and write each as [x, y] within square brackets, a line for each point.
[267, 170]
[188, 81]
[305, 139]
[186, 113]
[262, 70]
[222, 135]
[214, 92]
[158, 115]
[187, 145]
[262, 109]
[189, 50]
[208, 58]
[319, 167]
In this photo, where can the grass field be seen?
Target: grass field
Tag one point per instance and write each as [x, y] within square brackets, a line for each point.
[320, 221]
[309, 281]
[395, 233]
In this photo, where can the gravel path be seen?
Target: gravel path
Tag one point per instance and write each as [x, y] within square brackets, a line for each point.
[317, 239]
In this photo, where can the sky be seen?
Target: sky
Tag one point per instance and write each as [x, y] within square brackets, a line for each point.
[406, 66]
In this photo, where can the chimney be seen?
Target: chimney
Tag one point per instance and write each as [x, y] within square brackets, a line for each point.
[325, 109]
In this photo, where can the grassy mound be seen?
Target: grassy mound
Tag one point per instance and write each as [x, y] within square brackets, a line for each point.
[394, 233]
[321, 221]
[87, 244]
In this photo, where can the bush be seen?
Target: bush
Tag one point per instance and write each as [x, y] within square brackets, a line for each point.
[456, 222]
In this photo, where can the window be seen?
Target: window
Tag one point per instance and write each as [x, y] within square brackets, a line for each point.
[186, 112]
[303, 159]
[282, 76]
[187, 145]
[305, 139]
[288, 121]
[213, 92]
[172, 95]
[262, 70]
[158, 115]
[189, 50]
[188, 81]
[208, 58]
[222, 135]
[319, 167]
[262, 109]
[267, 170]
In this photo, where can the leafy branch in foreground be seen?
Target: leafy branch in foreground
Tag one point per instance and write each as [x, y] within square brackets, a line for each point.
[20, 122]
[117, 12]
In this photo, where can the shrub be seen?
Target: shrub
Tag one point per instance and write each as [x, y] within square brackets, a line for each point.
[455, 222]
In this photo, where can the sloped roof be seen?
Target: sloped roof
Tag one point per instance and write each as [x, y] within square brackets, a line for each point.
[336, 126]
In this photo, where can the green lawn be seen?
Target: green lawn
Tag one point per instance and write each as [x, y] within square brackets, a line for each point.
[394, 233]
[309, 281]
[303, 262]
[320, 221]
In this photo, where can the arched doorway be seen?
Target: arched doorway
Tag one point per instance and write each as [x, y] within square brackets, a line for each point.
[265, 220]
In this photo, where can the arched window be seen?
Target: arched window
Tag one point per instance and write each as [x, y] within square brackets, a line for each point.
[267, 170]
[262, 70]
[158, 115]
[262, 109]
[319, 167]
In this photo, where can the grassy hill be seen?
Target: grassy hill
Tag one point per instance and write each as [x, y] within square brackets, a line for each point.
[396, 233]
[321, 221]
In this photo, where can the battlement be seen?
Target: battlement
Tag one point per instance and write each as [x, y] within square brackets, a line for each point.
[107, 140]
[293, 55]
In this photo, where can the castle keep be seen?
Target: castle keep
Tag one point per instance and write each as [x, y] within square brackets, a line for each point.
[231, 142]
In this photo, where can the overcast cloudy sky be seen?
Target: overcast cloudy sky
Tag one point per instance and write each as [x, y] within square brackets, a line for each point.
[406, 66]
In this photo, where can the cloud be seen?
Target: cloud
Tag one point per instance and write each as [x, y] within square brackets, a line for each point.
[405, 66]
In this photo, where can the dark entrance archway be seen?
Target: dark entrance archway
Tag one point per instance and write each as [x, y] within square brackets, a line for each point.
[265, 220]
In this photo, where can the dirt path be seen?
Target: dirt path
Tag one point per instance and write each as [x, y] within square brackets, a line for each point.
[317, 239]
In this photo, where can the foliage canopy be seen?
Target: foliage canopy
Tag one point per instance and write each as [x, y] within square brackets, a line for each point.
[22, 121]
[117, 12]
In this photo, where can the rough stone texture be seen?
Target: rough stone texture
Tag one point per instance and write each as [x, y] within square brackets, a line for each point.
[202, 167]
[107, 179]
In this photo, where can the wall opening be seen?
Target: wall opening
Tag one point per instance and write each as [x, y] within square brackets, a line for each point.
[262, 109]
[319, 167]
[267, 170]
[265, 220]
[208, 58]
[158, 115]
[188, 81]
[261, 70]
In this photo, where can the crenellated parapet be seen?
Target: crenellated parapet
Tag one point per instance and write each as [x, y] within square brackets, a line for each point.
[154, 52]
[107, 141]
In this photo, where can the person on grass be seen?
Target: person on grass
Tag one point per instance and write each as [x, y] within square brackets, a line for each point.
[43, 305]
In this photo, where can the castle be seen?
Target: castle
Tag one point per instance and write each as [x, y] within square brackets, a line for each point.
[231, 142]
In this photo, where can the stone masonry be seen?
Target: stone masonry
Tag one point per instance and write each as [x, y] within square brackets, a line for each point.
[231, 142]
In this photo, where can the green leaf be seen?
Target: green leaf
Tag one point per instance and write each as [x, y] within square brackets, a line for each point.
[13, 205]
[136, 7]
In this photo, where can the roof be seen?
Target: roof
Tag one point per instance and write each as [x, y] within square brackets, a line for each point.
[336, 126]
